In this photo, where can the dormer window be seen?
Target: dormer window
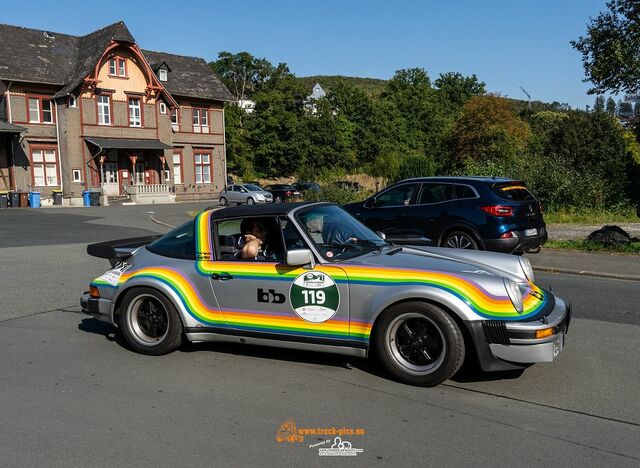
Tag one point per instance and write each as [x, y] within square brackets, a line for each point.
[162, 74]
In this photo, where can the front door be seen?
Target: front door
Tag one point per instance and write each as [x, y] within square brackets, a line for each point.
[139, 172]
[266, 298]
[110, 179]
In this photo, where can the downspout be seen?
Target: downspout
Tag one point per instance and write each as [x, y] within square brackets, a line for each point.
[55, 104]
[13, 167]
[224, 159]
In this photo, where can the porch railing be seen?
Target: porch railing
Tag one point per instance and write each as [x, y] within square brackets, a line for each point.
[146, 189]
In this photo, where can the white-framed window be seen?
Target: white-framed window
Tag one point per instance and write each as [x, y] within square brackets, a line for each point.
[135, 112]
[40, 110]
[112, 67]
[72, 101]
[177, 168]
[162, 74]
[34, 110]
[175, 120]
[200, 120]
[122, 67]
[203, 167]
[77, 175]
[45, 167]
[163, 108]
[104, 109]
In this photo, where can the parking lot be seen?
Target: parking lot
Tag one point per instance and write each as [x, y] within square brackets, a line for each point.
[73, 394]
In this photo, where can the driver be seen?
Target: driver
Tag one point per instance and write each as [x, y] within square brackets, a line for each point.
[336, 232]
[254, 243]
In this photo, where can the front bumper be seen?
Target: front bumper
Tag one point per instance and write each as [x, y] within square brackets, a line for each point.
[507, 345]
[98, 308]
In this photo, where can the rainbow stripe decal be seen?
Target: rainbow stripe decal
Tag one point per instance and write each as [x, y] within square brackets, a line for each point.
[204, 240]
[261, 321]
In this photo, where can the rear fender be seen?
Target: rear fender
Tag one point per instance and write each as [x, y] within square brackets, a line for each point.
[187, 320]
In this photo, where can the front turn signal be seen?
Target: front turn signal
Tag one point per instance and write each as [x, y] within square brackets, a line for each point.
[544, 333]
[94, 292]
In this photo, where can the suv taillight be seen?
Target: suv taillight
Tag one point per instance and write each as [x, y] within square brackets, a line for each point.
[498, 210]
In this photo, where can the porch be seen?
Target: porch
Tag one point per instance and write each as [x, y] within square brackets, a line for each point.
[132, 170]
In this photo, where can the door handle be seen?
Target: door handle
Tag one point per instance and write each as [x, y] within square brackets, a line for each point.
[221, 276]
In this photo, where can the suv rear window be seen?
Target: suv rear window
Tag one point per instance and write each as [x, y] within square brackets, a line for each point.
[179, 243]
[515, 191]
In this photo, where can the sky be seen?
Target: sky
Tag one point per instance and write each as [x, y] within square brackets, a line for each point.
[507, 44]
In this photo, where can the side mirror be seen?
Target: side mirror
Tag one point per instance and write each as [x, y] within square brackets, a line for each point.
[382, 235]
[370, 202]
[300, 257]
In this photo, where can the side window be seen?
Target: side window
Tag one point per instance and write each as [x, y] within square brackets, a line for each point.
[250, 239]
[464, 191]
[436, 193]
[292, 238]
[398, 196]
[179, 243]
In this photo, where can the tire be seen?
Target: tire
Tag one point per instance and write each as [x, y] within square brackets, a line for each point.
[250, 201]
[149, 322]
[223, 201]
[278, 199]
[426, 354]
[460, 240]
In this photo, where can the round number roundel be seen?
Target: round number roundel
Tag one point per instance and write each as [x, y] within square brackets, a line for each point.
[314, 296]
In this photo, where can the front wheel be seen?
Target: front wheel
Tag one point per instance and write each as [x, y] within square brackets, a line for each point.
[461, 240]
[250, 201]
[419, 343]
[149, 322]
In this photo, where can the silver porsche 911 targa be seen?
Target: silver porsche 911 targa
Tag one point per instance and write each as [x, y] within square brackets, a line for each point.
[309, 276]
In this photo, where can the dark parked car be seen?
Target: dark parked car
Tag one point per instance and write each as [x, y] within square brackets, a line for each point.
[306, 187]
[283, 193]
[461, 212]
[348, 185]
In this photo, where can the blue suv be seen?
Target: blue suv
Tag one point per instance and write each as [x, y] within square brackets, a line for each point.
[496, 214]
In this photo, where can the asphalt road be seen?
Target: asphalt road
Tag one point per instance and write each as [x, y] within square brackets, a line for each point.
[72, 394]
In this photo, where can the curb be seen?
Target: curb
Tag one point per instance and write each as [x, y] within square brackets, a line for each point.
[597, 274]
[160, 222]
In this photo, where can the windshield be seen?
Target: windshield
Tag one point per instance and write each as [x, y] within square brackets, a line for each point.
[337, 235]
[252, 188]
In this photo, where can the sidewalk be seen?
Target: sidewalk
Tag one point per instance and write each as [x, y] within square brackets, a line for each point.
[587, 263]
[575, 231]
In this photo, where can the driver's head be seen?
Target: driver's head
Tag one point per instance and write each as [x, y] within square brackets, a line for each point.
[256, 227]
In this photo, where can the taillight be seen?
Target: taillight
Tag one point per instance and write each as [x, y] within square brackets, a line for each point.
[508, 235]
[498, 210]
[289, 192]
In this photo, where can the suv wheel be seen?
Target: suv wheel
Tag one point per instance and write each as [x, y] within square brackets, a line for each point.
[460, 240]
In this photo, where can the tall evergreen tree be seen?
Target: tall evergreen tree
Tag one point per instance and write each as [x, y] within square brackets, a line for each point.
[599, 104]
[611, 106]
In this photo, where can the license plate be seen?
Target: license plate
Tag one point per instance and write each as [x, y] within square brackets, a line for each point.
[530, 232]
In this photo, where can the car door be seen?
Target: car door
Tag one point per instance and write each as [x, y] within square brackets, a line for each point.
[432, 213]
[386, 213]
[273, 300]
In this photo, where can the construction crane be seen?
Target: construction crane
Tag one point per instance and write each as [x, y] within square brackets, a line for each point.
[528, 95]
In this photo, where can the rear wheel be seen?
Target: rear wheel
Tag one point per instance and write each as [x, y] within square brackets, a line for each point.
[278, 199]
[250, 201]
[460, 240]
[149, 322]
[223, 201]
[419, 344]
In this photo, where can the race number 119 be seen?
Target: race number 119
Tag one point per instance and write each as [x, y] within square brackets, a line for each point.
[313, 297]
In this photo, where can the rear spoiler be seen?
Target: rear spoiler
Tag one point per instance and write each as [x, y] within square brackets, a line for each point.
[118, 250]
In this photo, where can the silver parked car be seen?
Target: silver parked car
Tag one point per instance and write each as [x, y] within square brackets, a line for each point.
[244, 193]
[309, 276]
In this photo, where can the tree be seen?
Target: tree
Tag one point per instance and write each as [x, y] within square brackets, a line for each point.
[489, 129]
[241, 73]
[457, 88]
[599, 104]
[610, 48]
[625, 109]
[611, 106]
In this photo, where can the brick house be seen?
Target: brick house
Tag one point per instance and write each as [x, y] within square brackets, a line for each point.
[97, 111]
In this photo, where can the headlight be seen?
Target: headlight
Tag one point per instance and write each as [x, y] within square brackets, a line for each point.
[527, 268]
[514, 294]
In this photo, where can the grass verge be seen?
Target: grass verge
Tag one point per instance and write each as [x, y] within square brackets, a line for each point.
[584, 216]
[632, 248]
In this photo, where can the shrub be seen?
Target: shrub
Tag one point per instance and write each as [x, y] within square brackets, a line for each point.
[339, 196]
[416, 166]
